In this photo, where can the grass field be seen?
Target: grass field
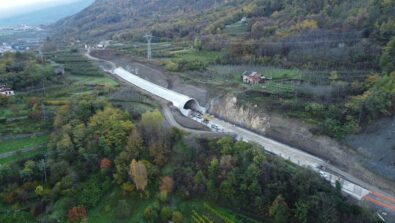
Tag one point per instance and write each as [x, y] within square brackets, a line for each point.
[236, 29]
[23, 126]
[16, 110]
[207, 57]
[12, 145]
[22, 156]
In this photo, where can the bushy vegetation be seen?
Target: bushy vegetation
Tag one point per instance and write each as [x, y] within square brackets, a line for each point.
[26, 118]
[22, 70]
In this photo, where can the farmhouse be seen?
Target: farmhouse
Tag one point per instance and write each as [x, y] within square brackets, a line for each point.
[251, 78]
[254, 78]
[6, 91]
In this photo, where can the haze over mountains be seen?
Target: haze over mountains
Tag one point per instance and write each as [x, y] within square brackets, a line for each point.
[40, 13]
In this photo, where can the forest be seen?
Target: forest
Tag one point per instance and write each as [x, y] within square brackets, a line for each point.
[95, 148]
[82, 147]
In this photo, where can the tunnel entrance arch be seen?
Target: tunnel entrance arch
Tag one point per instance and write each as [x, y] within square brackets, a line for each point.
[193, 105]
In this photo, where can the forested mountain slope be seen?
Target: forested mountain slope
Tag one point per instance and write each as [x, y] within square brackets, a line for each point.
[355, 31]
[282, 17]
[107, 17]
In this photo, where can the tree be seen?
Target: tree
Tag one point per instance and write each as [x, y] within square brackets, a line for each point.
[197, 43]
[162, 196]
[133, 150]
[166, 184]
[387, 59]
[152, 120]
[302, 211]
[151, 123]
[105, 164]
[35, 113]
[200, 182]
[213, 169]
[138, 173]
[159, 153]
[177, 217]
[150, 214]
[165, 214]
[110, 129]
[333, 77]
[258, 29]
[127, 187]
[279, 210]
[77, 214]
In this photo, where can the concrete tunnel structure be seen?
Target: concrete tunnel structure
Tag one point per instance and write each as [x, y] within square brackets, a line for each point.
[183, 102]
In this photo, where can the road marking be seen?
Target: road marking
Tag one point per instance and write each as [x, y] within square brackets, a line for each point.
[379, 203]
[383, 197]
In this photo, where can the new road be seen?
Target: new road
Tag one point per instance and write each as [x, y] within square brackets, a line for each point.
[350, 184]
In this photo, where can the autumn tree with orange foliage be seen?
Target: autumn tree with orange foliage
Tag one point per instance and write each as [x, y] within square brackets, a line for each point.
[77, 214]
[105, 164]
[167, 184]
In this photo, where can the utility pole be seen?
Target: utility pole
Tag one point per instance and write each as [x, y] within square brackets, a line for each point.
[42, 102]
[43, 167]
[148, 37]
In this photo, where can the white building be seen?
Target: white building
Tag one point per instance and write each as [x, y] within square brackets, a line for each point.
[6, 91]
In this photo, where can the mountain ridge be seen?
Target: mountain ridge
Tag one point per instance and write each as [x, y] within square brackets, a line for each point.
[46, 16]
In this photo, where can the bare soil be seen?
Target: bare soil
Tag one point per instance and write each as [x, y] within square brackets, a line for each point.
[376, 145]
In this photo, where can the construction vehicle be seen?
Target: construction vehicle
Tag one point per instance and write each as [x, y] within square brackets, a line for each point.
[206, 118]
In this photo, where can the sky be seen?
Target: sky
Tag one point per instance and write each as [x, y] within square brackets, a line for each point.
[10, 8]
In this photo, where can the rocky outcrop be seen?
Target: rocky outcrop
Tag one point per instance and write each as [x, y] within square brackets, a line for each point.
[285, 130]
[228, 108]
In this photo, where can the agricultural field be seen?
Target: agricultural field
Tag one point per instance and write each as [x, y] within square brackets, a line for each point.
[28, 142]
[237, 29]
[192, 210]
[26, 119]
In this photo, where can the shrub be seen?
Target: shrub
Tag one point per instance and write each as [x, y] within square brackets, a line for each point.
[90, 193]
[150, 214]
[165, 214]
[181, 65]
[177, 217]
[314, 109]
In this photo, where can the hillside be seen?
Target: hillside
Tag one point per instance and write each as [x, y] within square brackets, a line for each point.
[321, 34]
[46, 16]
[330, 62]
[105, 18]
[175, 18]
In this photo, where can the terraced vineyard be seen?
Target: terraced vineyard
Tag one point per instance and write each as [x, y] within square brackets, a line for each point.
[21, 148]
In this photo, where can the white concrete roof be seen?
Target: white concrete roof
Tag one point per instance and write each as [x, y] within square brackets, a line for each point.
[178, 100]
